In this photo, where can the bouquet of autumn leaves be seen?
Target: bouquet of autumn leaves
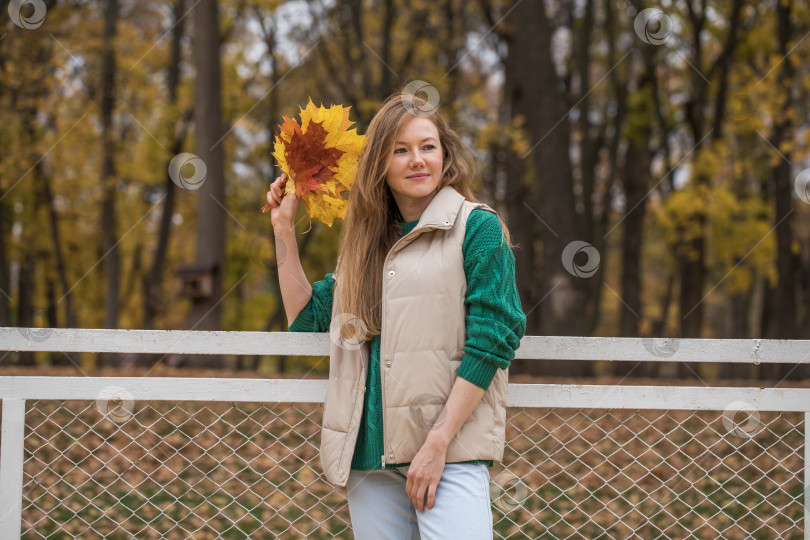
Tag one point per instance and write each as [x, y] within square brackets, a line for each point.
[321, 155]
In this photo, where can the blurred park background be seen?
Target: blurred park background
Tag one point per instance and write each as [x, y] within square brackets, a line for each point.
[650, 159]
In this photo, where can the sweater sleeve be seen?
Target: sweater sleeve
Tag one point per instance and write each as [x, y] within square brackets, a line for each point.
[317, 314]
[495, 322]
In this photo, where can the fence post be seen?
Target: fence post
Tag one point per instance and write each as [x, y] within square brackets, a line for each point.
[807, 475]
[11, 468]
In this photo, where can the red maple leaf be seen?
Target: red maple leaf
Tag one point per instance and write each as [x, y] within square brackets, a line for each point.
[308, 155]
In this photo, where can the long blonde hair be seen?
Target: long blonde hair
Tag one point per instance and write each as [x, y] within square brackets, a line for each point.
[371, 227]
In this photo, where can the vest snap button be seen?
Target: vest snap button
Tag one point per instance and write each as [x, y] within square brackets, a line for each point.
[391, 273]
[447, 223]
[388, 364]
[391, 455]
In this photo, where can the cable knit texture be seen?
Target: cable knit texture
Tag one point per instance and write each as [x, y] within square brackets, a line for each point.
[495, 324]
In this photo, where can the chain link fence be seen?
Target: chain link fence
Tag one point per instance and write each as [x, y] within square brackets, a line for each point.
[162, 469]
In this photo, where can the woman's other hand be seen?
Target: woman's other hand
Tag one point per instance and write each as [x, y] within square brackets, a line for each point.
[283, 207]
[424, 474]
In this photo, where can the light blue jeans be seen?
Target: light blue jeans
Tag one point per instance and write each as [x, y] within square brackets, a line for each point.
[380, 508]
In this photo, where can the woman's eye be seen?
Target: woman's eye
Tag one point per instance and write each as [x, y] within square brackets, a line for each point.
[428, 147]
[399, 150]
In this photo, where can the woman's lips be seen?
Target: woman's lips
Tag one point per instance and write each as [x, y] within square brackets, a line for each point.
[418, 177]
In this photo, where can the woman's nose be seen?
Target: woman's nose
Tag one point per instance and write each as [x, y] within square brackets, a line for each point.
[416, 160]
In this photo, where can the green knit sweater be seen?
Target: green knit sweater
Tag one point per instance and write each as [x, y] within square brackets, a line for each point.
[495, 324]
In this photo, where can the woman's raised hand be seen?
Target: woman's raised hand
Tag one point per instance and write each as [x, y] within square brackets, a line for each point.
[283, 207]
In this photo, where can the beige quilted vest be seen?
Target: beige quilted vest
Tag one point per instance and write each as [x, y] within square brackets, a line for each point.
[422, 344]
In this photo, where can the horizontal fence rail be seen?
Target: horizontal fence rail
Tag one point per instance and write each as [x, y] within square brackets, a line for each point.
[317, 344]
[172, 457]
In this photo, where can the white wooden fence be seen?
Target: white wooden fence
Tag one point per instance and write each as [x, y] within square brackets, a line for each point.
[546, 485]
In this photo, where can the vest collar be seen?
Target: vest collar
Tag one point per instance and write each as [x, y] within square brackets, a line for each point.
[442, 210]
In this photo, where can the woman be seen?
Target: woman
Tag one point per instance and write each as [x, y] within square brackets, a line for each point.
[424, 318]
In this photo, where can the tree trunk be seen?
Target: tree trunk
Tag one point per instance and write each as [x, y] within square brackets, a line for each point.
[692, 255]
[25, 300]
[5, 292]
[43, 181]
[5, 282]
[52, 321]
[29, 260]
[58, 252]
[637, 170]
[805, 280]
[153, 287]
[28, 104]
[386, 83]
[109, 241]
[206, 313]
[592, 140]
[518, 202]
[740, 329]
[537, 97]
[785, 317]
[661, 329]
[589, 147]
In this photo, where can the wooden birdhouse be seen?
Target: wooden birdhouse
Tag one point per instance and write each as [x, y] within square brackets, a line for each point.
[196, 281]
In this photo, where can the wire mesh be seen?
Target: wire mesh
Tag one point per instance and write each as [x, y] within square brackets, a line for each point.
[187, 469]
[650, 474]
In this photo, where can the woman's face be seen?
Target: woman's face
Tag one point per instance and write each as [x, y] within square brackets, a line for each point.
[416, 167]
